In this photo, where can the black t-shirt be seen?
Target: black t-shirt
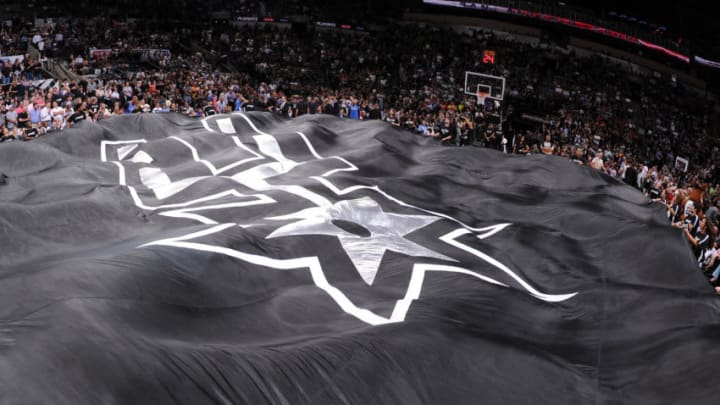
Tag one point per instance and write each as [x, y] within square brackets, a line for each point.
[374, 114]
[290, 110]
[77, 117]
[647, 183]
[326, 109]
[302, 108]
[332, 109]
[209, 110]
[694, 221]
[256, 104]
[631, 176]
[392, 120]
[448, 131]
[703, 243]
[312, 107]
[654, 193]
[464, 134]
[678, 212]
[22, 120]
[521, 146]
[490, 136]
[31, 132]
[123, 100]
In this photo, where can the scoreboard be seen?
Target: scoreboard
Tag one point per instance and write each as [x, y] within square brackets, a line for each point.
[488, 57]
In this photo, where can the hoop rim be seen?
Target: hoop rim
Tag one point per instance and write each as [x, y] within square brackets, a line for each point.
[481, 96]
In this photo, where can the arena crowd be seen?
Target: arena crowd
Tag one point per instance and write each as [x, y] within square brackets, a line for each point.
[631, 126]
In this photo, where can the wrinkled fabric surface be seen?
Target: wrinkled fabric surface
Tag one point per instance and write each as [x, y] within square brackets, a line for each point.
[138, 265]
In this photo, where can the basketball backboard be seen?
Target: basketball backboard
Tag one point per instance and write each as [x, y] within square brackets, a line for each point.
[476, 83]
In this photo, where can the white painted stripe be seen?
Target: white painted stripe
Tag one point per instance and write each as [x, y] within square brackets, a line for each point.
[256, 199]
[104, 144]
[205, 124]
[252, 125]
[451, 239]
[164, 191]
[188, 212]
[121, 173]
[226, 126]
[269, 146]
[215, 171]
[254, 179]
[226, 193]
[153, 178]
[311, 263]
[123, 151]
[351, 167]
[309, 145]
[418, 278]
[142, 157]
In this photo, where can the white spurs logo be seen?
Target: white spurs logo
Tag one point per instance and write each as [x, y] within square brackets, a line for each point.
[256, 164]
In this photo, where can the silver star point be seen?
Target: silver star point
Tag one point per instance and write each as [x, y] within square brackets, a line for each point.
[387, 231]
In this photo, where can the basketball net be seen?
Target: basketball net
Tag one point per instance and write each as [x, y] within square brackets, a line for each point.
[481, 96]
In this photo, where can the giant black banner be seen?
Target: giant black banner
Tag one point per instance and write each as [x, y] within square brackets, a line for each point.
[247, 259]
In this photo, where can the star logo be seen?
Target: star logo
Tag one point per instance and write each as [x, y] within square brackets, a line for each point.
[364, 230]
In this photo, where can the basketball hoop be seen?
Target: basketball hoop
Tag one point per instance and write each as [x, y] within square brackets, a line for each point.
[481, 96]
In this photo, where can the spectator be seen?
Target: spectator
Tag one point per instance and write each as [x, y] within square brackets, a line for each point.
[79, 115]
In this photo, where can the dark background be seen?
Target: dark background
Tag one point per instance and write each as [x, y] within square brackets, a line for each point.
[689, 23]
[691, 17]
